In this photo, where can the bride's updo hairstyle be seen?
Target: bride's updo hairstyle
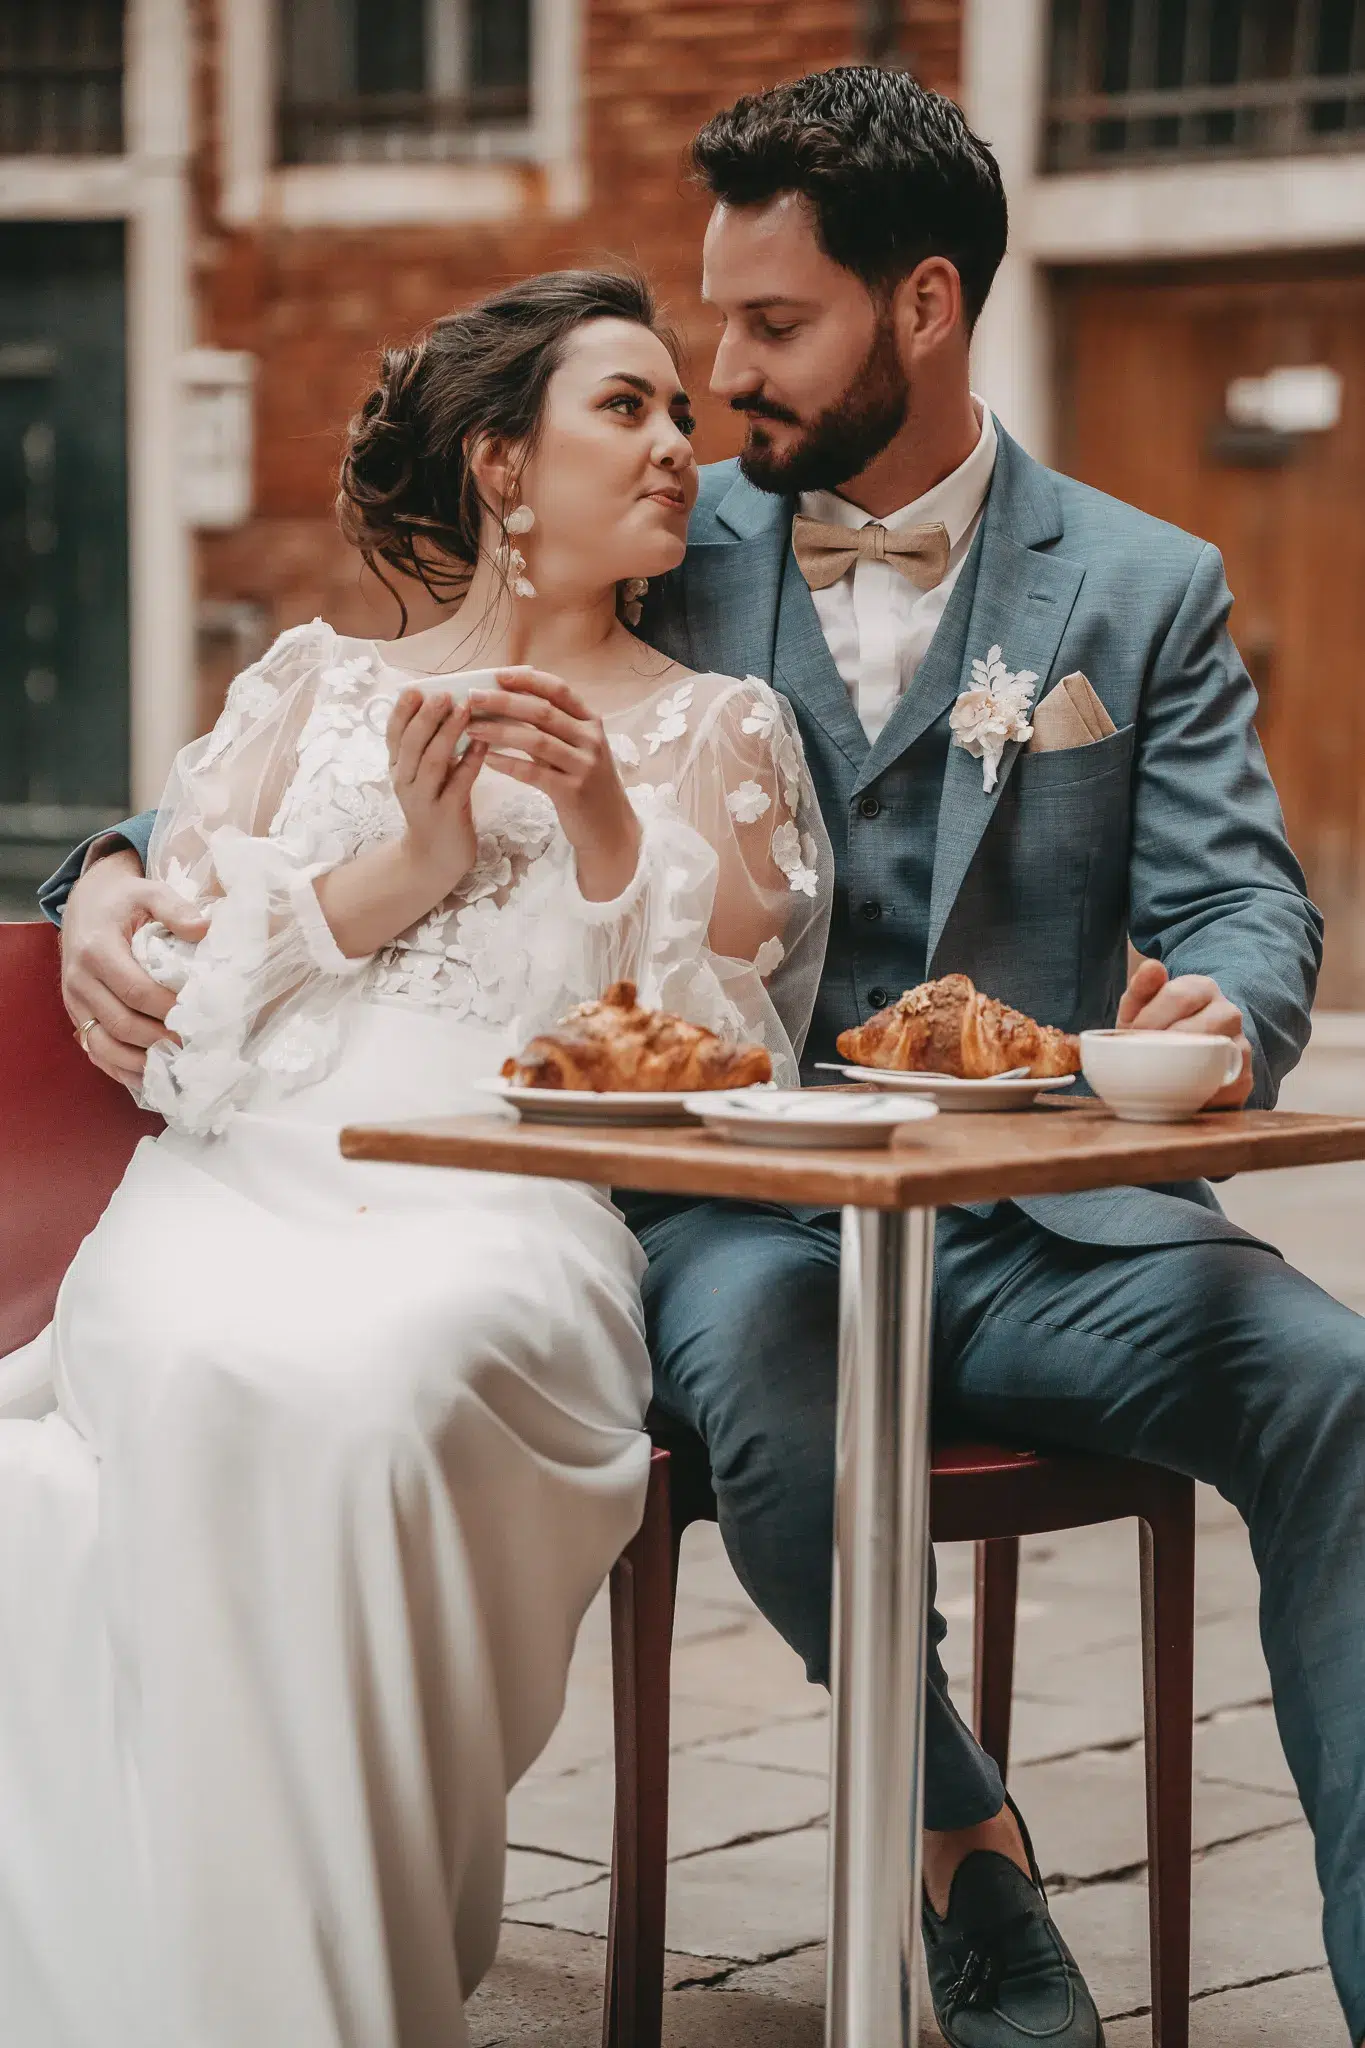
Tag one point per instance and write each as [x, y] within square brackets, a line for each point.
[408, 497]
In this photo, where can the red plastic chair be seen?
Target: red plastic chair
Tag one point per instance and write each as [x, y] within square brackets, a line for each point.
[982, 1493]
[66, 1133]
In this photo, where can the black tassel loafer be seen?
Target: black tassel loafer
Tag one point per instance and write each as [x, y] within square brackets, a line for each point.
[999, 1972]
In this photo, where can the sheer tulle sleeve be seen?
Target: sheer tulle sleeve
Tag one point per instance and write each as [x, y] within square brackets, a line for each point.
[726, 918]
[259, 1001]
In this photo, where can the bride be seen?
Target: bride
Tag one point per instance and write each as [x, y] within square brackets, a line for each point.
[337, 1454]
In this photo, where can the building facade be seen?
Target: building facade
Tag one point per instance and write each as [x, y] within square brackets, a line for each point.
[212, 214]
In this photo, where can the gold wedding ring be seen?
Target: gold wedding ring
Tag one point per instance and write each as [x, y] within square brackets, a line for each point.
[84, 1034]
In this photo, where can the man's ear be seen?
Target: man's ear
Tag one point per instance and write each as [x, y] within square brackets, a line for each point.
[927, 308]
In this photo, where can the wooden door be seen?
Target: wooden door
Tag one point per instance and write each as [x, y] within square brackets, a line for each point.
[1144, 363]
[63, 540]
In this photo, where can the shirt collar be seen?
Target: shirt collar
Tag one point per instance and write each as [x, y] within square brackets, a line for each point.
[955, 501]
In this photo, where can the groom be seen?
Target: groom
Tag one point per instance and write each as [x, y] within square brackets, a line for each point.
[879, 534]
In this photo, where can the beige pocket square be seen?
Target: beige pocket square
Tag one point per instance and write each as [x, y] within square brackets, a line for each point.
[1071, 715]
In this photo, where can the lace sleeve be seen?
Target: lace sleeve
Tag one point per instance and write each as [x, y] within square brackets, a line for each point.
[747, 790]
[259, 1000]
[725, 920]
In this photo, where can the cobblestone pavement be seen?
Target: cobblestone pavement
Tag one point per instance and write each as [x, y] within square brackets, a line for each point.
[746, 1891]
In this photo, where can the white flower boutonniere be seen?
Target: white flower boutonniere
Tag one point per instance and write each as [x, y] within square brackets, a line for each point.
[993, 712]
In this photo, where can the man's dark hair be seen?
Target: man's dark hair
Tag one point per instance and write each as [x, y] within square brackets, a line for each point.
[891, 172]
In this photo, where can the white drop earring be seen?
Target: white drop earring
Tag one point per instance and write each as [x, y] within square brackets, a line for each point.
[632, 592]
[520, 520]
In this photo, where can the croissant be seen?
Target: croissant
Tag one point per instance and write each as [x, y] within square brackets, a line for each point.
[949, 1027]
[614, 1044]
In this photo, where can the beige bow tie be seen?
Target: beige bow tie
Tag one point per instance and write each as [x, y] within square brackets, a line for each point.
[825, 553]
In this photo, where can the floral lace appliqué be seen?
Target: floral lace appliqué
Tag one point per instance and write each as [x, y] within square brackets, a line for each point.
[747, 804]
[469, 955]
[796, 855]
[672, 714]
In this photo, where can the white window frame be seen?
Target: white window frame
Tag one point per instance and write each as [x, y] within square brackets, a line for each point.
[148, 188]
[489, 187]
[1147, 212]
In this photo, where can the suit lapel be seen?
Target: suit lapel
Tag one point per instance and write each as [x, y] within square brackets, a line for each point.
[1021, 602]
[803, 666]
[748, 606]
[731, 595]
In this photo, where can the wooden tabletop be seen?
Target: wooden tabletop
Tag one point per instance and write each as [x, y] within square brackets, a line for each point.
[1050, 1150]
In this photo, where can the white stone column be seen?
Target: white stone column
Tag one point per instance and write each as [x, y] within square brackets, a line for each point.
[159, 327]
[1003, 80]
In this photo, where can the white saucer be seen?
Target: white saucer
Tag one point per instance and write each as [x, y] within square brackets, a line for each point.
[593, 1106]
[806, 1117]
[951, 1093]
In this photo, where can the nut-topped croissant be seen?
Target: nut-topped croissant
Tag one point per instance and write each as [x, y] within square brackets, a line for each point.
[613, 1043]
[949, 1027]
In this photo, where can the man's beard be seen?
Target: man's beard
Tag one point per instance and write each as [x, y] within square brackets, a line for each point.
[839, 442]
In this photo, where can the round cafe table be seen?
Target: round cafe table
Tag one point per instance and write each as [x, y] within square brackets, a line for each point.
[881, 1523]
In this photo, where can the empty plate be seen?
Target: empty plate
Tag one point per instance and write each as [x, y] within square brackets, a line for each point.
[591, 1106]
[807, 1117]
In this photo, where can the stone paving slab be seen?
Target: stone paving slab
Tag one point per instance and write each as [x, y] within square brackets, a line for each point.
[1256, 1915]
[780, 1745]
[1292, 2012]
[739, 1904]
[1243, 1747]
[531, 1874]
[547, 1986]
[712, 1801]
[1088, 1815]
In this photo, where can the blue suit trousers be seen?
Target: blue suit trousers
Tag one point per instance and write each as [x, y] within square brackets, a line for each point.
[1213, 1358]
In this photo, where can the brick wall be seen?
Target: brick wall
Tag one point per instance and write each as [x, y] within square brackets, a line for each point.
[313, 305]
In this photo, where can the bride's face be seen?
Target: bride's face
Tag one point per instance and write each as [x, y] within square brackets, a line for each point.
[612, 477]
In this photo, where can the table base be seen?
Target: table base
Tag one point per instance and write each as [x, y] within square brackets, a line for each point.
[881, 1562]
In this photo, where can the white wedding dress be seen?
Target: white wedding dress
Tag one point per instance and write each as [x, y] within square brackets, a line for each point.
[335, 1455]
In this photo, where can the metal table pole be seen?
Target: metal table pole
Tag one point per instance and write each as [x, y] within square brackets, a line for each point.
[881, 1545]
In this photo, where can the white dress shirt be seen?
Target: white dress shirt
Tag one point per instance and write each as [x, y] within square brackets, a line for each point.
[876, 622]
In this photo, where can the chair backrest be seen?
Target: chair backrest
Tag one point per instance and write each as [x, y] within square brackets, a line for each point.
[66, 1133]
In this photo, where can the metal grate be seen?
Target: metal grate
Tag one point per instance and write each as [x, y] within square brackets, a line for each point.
[1151, 80]
[401, 81]
[61, 77]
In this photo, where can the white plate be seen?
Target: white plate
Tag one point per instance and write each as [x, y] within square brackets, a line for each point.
[806, 1117]
[951, 1093]
[589, 1106]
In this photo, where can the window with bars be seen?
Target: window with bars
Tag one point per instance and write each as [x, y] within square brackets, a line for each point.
[401, 81]
[61, 77]
[1151, 80]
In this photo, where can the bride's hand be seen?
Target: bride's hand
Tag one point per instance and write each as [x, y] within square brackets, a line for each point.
[433, 788]
[570, 759]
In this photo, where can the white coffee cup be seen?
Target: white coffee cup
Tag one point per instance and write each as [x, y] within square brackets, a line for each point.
[1157, 1077]
[457, 687]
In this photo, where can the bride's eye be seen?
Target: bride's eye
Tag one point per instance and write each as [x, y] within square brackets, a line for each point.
[686, 423]
[631, 400]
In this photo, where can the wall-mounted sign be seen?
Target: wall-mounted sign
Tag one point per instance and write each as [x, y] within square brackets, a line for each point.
[1299, 399]
[216, 438]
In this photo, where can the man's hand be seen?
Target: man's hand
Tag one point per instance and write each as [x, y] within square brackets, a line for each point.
[1192, 1002]
[101, 981]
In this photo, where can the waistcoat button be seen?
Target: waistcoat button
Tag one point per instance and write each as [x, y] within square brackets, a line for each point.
[878, 998]
[872, 911]
[869, 806]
